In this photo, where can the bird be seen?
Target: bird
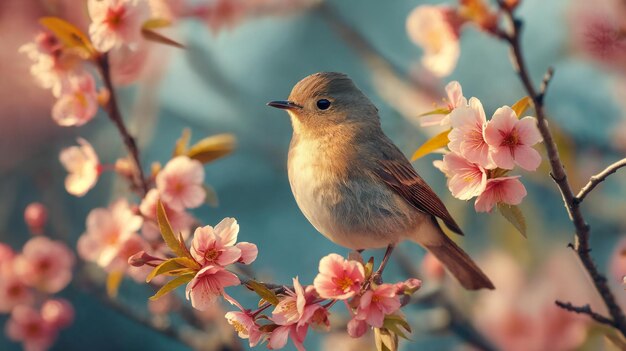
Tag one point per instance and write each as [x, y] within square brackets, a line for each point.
[355, 186]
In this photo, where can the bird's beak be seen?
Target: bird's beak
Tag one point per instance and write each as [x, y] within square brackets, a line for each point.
[284, 105]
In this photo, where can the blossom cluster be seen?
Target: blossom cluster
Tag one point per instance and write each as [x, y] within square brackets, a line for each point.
[295, 309]
[437, 30]
[482, 151]
[28, 281]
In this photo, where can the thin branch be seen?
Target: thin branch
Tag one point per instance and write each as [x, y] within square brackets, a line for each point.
[558, 171]
[586, 309]
[116, 117]
[599, 178]
[459, 324]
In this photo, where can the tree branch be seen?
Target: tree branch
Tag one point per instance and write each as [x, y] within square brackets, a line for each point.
[586, 309]
[599, 178]
[113, 111]
[558, 173]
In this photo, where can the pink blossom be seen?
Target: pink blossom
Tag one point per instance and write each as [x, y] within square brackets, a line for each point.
[58, 313]
[208, 285]
[465, 179]
[455, 99]
[53, 65]
[408, 286]
[13, 292]
[45, 264]
[116, 22]
[216, 246]
[357, 328]
[249, 252]
[26, 325]
[436, 30]
[78, 102]
[338, 278]
[278, 337]
[108, 229]
[244, 323]
[180, 183]
[510, 140]
[82, 164]
[507, 190]
[133, 245]
[291, 307]
[466, 136]
[375, 304]
[36, 216]
[180, 220]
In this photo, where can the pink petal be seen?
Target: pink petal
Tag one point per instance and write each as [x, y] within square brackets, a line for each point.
[528, 131]
[249, 252]
[357, 328]
[227, 230]
[228, 256]
[278, 338]
[527, 157]
[502, 157]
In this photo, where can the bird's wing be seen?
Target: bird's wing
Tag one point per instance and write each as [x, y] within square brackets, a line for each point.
[403, 179]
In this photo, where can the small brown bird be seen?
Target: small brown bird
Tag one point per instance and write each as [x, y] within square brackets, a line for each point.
[355, 186]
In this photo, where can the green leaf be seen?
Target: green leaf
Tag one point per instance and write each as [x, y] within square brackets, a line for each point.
[394, 322]
[174, 266]
[212, 148]
[400, 321]
[521, 106]
[514, 215]
[168, 233]
[369, 268]
[114, 279]
[69, 35]
[437, 142]
[151, 35]
[261, 290]
[155, 23]
[182, 143]
[439, 111]
[173, 284]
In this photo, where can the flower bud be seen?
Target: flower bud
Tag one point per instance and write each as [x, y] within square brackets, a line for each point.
[36, 216]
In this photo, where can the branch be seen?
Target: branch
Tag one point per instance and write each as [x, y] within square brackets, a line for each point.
[459, 324]
[558, 173]
[586, 309]
[116, 117]
[599, 178]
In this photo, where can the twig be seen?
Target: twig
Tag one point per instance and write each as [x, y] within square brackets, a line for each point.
[459, 324]
[114, 114]
[586, 309]
[558, 171]
[599, 178]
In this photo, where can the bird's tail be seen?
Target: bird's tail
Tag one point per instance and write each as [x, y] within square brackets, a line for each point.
[457, 261]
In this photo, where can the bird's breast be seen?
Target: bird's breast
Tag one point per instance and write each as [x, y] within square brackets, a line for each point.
[342, 199]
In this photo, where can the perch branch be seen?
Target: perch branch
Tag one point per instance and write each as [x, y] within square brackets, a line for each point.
[586, 309]
[113, 111]
[599, 178]
[558, 173]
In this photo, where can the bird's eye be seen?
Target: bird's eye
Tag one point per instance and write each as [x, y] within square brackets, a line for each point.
[323, 104]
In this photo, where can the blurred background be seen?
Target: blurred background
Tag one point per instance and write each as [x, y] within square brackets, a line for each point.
[220, 83]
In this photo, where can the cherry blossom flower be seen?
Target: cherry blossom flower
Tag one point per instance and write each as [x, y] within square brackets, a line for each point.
[180, 220]
[408, 287]
[180, 183]
[217, 246]
[244, 324]
[78, 102]
[510, 140]
[465, 179]
[436, 30]
[375, 304]
[208, 285]
[83, 166]
[466, 136]
[53, 65]
[108, 229]
[278, 337]
[357, 328]
[45, 264]
[13, 292]
[116, 22]
[290, 308]
[338, 278]
[455, 99]
[507, 190]
[36, 216]
[27, 326]
[58, 313]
